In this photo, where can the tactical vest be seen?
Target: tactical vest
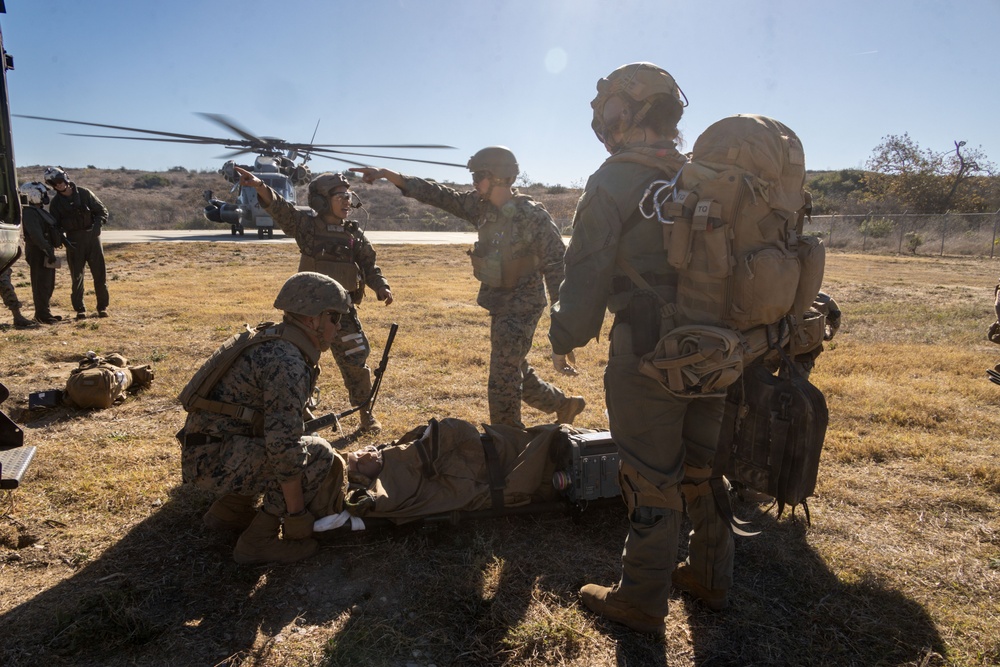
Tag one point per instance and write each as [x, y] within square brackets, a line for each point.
[194, 396]
[493, 256]
[75, 217]
[333, 255]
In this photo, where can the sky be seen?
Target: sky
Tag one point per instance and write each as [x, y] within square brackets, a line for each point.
[473, 73]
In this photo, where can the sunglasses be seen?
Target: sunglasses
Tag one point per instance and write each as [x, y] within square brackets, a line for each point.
[479, 175]
[334, 316]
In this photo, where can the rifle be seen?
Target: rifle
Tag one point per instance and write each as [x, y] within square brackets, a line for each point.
[333, 419]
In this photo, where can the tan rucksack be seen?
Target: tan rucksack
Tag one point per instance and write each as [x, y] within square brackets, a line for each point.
[732, 227]
[99, 382]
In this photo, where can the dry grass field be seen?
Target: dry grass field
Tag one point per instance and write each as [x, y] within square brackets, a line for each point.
[104, 560]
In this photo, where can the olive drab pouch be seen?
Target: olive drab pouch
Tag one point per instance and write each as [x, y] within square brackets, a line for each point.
[772, 434]
[487, 265]
[696, 360]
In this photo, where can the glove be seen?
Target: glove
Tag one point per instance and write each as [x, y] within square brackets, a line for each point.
[564, 363]
[298, 526]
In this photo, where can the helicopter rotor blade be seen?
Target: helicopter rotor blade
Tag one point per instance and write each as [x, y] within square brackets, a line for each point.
[322, 152]
[382, 146]
[201, 142]
[133, 129]
[231, 125]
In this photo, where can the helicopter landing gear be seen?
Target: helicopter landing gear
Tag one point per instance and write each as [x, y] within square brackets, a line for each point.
[265, 232]
[237, 229]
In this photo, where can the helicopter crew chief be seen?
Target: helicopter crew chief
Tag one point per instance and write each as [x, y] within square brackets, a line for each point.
[79, 216]
[331, 244]
[40, 242]
[518, 256]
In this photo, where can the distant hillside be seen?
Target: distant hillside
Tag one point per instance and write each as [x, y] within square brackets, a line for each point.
[174, 200]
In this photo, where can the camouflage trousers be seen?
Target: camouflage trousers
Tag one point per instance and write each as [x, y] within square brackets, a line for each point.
[512, 379]
[350, 350]
[7, 291]
[237, 465]
[662, 437]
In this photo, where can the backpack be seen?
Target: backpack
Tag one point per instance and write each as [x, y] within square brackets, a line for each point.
[194, 396]
[772, 435]
[99, 382]
[732, 228]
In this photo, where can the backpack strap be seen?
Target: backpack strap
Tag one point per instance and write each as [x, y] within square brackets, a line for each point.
[493, 472]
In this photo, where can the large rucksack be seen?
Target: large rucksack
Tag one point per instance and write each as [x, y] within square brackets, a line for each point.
[100, 382]
[732, 227]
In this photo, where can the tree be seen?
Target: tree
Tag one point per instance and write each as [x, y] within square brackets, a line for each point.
[904, 176]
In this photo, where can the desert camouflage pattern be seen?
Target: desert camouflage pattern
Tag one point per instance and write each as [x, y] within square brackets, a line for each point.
[7, 291]
[274, 379]
[533, 233]
[511, 378]
[659, 435]
[351, 349]
[514, 312]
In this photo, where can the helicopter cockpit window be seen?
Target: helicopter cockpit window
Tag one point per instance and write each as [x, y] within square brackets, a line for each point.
[279, 184]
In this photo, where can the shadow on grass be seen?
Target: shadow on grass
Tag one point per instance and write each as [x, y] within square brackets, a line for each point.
[788, 608]
[166, 593]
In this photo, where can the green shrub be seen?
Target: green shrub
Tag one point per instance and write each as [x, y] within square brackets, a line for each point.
[913, 241]
[877, 228]
[150, 181]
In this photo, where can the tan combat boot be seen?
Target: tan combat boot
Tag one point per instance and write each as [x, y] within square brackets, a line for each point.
[602, 600]
[369, 423]
[685, 581]
[259, 543]
[571, 407]
[230, 512]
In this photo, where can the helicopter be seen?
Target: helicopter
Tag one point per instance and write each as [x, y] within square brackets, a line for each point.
[275, 164]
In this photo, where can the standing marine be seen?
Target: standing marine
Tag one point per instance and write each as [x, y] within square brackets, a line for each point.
[41, 238]
[519, 255]
[244, 431]
[335, 246]
[79, 216]
[667, 442]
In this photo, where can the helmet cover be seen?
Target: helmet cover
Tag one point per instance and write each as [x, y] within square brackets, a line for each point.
[311, 294]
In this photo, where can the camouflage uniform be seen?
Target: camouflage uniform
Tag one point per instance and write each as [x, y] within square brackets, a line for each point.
[39, 247]
[667, 443]
[351, 350]
[274, 379]
[7, 291]
[80, 216]
[514, 312]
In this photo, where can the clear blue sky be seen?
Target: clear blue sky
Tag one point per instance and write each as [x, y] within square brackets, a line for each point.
[471, 73]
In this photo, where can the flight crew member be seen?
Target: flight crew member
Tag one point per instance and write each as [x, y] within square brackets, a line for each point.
[666, 442]
[518, 256]
[244, 435]
[331, 244]
[79, 216]
[41, 238]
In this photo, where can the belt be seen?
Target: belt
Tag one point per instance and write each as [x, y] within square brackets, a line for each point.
[621, 284]
[199, 439]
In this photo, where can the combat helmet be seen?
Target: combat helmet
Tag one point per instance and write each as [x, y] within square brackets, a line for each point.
[321, 187]
[34, 193]
[640, 82]
[53, 175]
[498, 160]
[311, 294]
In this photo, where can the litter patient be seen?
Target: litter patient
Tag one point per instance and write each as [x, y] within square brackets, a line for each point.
[448, 465]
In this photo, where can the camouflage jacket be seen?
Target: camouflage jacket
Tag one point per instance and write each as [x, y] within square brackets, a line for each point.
[274, 379]
[307, 228]
[80, 211]
[532, 231]
[39, 229]
[608, 225]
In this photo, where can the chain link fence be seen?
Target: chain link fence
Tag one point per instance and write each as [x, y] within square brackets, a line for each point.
[969, 234]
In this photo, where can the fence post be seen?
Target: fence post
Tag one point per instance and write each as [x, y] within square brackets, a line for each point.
[864, 235]
[996, 218]
[902, 230]
[944, 219]
[829, 237]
